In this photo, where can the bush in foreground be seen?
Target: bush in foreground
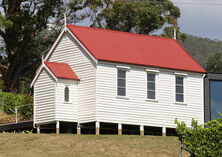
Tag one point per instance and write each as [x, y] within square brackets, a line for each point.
[201, 141]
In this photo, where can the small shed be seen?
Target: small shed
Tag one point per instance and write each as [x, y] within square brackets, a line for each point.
[55, 90]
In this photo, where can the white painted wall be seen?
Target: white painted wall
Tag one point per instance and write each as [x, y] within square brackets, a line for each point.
[69, 51]
[67, 111]
[136, 109]
[44, 98]
[95, 97]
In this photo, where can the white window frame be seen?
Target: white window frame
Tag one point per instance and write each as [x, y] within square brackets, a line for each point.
[127, 69]
[184, 76]
[69, 86]
[65, 94]
[156, 73]
[147, 89]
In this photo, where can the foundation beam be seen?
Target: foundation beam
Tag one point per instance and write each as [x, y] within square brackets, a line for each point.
[164, 131]
[57, 127]
[119, 129]
[141, 130]
[97, 128]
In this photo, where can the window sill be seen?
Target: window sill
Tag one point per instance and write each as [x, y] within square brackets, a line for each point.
[122, 97]
[152, 100]
[180, 103]
[67, 102]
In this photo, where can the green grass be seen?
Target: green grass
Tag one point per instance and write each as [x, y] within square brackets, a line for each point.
[69, 145]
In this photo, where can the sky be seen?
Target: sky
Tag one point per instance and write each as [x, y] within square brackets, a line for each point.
[201, 17]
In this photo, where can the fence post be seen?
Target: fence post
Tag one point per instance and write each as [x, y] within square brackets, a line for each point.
[16, 114]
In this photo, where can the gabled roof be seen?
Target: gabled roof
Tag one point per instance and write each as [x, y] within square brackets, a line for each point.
[122, 47]
[56, 70]
[61, 70]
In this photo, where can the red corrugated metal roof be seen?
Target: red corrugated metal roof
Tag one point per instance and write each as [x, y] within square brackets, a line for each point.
[115, 46]
[61, 70]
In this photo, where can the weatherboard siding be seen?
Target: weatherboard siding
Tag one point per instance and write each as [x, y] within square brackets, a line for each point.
[44, 95]
[67, 111]
[137, 109]
[69, 51]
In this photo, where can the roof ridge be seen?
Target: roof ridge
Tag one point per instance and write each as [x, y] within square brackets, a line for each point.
[114, 31]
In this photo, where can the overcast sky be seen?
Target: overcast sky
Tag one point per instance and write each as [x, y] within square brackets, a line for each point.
[201, 17]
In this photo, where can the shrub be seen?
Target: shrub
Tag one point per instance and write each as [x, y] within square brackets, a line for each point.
[201, 140]
[24, 103]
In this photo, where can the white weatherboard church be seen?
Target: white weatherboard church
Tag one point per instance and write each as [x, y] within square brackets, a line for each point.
[103, 76]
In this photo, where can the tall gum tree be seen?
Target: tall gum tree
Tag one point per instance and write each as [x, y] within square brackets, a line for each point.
[23, 27]
[21, 22]
[138, 16]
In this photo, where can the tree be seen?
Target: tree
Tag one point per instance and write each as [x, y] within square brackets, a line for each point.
[169, 33]
[139, 16]
[199, 140]
[21, 22]
[201, 48]
[25, 34]
[214, 63]
[43, 40]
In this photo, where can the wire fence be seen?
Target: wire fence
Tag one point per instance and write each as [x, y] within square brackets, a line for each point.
[16, 117]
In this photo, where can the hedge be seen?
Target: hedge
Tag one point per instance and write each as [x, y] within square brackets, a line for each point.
[201, 140]
[24, 104]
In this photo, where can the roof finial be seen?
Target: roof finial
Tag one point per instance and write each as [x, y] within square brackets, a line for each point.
[175, 34]
[42, 60]
[175, 29]
[65, 19]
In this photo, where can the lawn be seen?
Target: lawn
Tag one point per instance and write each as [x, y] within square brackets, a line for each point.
[21, 145]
